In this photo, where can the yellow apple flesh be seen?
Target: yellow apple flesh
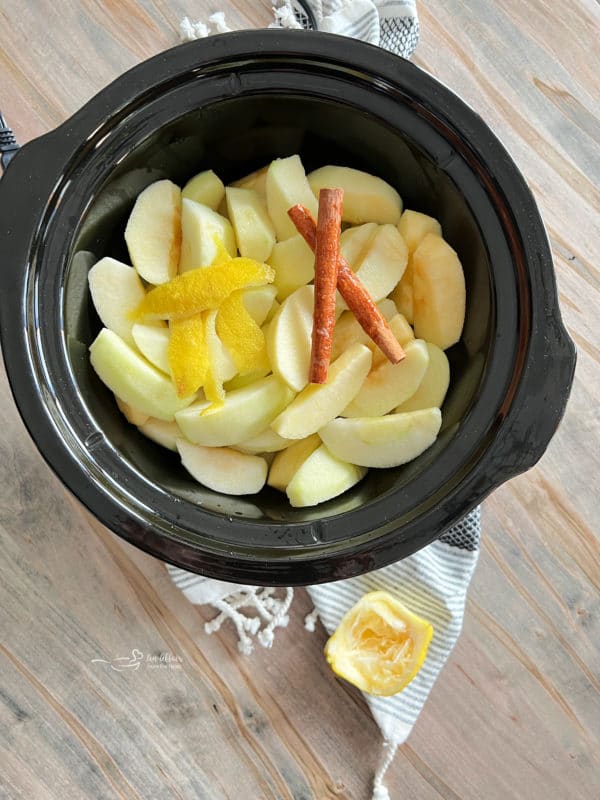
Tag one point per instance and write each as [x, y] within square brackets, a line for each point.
[205, 188]
[317, 404]
[321, 477]
[366, 197]
[387, 441]
[116, 291]
[128, 375]
[244, 413]
[153, 232]
[223, 469]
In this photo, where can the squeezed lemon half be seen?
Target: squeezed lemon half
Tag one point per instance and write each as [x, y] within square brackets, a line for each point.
[379, 645]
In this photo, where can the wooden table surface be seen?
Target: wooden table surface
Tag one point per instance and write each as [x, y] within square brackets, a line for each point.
[516, 711]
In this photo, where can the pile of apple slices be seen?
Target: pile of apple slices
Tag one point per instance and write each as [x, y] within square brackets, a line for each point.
[267, 423]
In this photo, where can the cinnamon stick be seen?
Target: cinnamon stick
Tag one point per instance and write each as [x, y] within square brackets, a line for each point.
[352, 290]
[327, 251]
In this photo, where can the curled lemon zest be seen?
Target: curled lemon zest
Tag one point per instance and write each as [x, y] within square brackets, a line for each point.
[241, 335]
[202, 289]
[188, 355]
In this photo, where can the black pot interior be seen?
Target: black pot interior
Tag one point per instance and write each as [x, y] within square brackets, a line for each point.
[235, 137]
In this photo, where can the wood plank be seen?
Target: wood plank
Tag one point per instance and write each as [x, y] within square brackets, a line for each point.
[516, 712]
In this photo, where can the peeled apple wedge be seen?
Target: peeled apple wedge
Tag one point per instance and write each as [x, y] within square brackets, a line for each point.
[255, 180]
[244, 413]
[206, 188]
[116, 291]
[286, 185]
[287, 462]
[254, 231]
[354, 242]
[258, 302]
[348, 330]
[403, 293]
[240, 381]
[223, 469]
[134, 379]
[401, 330]
[317, 404]
[160, 432]
[388, 382]
[383, 441]
[294, 265]
[321, 477]
[383, 263]
[366, 197]
[432, 389]
[152, 340]
[266, 442]
[415, 226]
[201, 230]
[289, 338]
[153, 232]
[222, 365]
[439, 294]
[130, 413]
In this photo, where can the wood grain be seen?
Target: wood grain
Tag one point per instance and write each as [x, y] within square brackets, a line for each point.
[516, 712]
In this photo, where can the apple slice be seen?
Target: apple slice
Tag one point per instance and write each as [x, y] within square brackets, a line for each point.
[415, 226]
[255, 180]
[287, 462]
[130, 413]
[366, 197]
[401, 330]
[354, 242]
[348, 330]
[403, 293]
[258, 301]
[222, 365]
[383, 263]
[388, 385]
[321, 477]
[223, 469]
[116, 291]
[153, 232]
[133, 379]
[318, 403]
[254, 231]
[383, 441]
[244, 413]
[439, 292]
[266, 442]
[202, 229]
[239, 381]
[205, 188]
[163, 433]
[432, 389]
[294, 265]
[286, 185]
[289, 338]
[152, 340]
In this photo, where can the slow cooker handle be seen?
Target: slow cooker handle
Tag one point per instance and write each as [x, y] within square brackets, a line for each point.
[8, 143]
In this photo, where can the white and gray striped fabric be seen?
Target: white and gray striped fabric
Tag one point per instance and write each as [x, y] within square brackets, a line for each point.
[392, 24]
[433, 582]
